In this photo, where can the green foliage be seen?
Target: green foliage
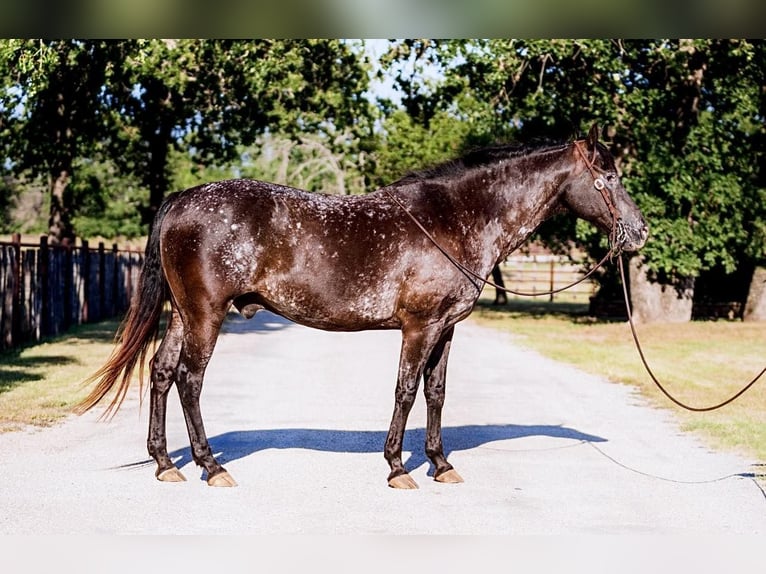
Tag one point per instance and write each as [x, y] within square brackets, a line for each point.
[409, 145]
[310, 162]
[54, 110]
[208, 98]
[107, 203]
[132, 105]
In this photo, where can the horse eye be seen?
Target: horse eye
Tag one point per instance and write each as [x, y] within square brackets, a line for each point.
[610, 178]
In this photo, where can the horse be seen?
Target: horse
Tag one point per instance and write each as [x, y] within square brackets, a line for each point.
[384, 260]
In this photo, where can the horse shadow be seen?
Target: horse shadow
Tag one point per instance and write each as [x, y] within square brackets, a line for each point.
[234, 445]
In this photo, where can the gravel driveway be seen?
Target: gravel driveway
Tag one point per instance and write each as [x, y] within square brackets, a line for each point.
[299, 418]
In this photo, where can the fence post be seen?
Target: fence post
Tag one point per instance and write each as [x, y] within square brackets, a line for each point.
[16, 308]
[68, 273]
[101, 281]
[114, 307]
[552, 278]
[45, 287]
[85, 273]
[129, 272]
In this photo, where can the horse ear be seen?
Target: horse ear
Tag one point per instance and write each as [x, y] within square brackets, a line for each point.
[593, 135]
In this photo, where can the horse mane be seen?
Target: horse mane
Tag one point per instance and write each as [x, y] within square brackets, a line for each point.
[482, 157]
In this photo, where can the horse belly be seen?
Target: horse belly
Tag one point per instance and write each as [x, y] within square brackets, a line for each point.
[332, 307]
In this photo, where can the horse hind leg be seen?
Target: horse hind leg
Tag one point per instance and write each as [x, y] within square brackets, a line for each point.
[163, 374]
[434, 377]
[200, 335]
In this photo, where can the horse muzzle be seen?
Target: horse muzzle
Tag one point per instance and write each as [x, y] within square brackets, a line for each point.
[631, 237]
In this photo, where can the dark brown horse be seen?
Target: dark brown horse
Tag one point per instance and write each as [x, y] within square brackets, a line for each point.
[348, 263]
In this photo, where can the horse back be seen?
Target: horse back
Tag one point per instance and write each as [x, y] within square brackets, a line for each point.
[332, 262]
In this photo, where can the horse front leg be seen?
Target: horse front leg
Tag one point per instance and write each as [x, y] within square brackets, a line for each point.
[416, 346]
[435, 376]
[163, 374]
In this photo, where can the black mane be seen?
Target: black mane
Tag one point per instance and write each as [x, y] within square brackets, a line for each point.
[481, 157]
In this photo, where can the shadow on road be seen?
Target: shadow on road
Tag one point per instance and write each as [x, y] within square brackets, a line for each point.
[262, 321]
[234, 445]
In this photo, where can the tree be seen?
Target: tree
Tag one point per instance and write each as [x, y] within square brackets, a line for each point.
[128, 105]
[210, 97]
[408, 145]
[51, 112]
[309, 162]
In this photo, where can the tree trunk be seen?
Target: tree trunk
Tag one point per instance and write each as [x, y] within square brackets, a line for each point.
[755, 307]
[156, 177]
[655, 302]
[59, 224]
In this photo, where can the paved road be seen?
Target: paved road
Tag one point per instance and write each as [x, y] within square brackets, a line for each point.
[299, 419]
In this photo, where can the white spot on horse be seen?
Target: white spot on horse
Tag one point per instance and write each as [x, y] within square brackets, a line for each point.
[234, 226]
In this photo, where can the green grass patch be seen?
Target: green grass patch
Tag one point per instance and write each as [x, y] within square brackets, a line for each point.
[39, 384]
[701, 362]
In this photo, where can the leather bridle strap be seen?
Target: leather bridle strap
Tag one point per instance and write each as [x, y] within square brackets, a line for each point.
[601, 186]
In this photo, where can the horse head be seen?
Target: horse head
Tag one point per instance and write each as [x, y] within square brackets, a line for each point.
[595, 193]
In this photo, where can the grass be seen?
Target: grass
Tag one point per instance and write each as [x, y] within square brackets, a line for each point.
[700, 362]
[39, 384]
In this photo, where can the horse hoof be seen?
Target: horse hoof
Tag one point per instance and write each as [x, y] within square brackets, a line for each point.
[221, 479]
[171, 475]
[403, 481]
[450, 476]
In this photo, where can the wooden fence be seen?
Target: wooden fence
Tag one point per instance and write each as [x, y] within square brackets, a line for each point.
[46, 289]
[542, 272]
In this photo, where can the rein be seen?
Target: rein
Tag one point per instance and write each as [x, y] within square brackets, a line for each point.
[599, 184]
[472, 275]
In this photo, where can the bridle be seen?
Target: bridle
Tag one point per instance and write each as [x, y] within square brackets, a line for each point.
[604, 189]
[600, 185]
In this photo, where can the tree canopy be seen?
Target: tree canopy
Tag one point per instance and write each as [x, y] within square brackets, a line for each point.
[117, 110]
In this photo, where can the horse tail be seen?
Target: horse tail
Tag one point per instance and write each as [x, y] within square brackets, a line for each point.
[138, 331]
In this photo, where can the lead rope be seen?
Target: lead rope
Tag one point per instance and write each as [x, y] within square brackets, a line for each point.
[599, 185]
[649, 370]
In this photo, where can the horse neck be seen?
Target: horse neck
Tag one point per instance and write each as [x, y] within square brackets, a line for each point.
[498, 204]
[519, 194]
